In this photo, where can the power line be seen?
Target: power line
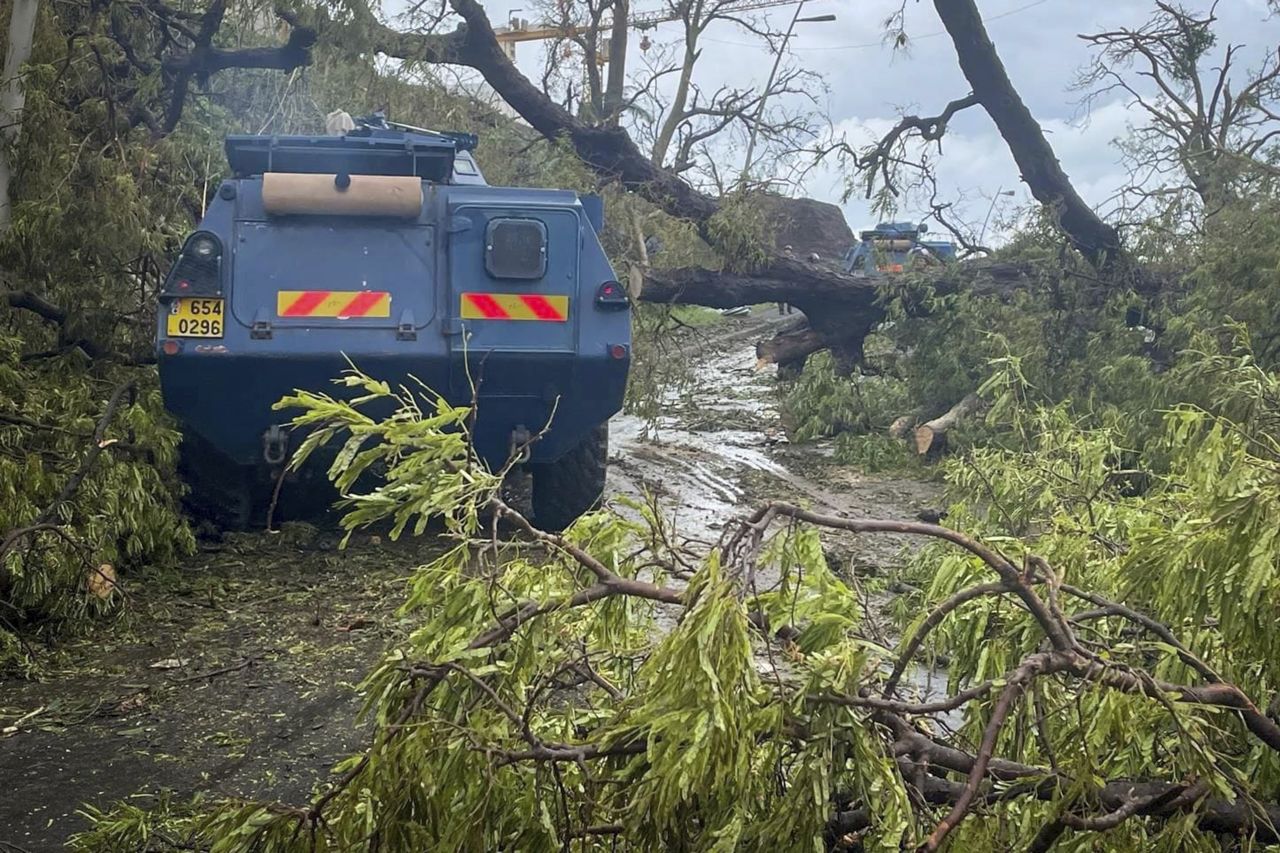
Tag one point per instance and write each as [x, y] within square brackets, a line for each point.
[876, 44]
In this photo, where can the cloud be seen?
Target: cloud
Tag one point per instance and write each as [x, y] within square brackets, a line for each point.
[976, 165]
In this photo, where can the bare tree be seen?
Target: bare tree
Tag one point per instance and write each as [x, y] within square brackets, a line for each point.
[595, 32]
[682, 123]
[616, 81]
[699, 120]
[1208, 130]
[693, 115]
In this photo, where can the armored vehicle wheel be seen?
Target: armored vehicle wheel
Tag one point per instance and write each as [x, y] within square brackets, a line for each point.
[573, 484]
[218, 491]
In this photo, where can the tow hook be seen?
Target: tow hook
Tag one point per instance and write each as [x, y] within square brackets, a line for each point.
[520, 449]
[275, 445]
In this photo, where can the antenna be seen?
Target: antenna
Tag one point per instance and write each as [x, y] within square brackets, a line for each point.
[402, 126]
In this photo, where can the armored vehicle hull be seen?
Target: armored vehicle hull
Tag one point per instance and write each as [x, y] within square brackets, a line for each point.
[386, 249]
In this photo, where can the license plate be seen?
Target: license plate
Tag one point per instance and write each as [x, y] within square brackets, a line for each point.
[194, 318]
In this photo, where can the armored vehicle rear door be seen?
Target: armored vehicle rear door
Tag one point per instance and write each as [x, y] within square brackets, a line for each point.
[513, 278]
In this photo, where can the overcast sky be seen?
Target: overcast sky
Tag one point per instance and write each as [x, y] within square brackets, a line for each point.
[870, 84]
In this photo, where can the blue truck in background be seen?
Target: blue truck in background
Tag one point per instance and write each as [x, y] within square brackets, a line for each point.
[384, 245]
[894, 247]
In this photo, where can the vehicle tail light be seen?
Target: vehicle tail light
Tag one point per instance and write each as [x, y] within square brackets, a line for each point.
[612, 295]
[198, 271]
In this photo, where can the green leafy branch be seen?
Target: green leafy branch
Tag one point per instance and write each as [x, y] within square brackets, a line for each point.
[590, 688]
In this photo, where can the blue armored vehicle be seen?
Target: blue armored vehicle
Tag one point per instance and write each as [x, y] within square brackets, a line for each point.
[384, 245]
[893, 247]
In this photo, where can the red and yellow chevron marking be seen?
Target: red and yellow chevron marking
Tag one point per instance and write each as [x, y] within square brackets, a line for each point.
[515, 306]
[333, 303]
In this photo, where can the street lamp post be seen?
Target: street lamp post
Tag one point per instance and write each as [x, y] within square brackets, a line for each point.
[994, 199]
[773, 73]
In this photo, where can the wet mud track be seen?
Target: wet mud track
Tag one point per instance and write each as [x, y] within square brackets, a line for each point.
[720, 449]
[238, 676]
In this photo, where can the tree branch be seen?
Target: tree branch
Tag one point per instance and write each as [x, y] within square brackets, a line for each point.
[981, 65]
[879, 160]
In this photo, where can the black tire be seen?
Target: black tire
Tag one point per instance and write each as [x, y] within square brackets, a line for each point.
[572, 485]
[219, 492]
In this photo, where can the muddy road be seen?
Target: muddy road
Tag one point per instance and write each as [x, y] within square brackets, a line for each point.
[720, 449]
[238, 673]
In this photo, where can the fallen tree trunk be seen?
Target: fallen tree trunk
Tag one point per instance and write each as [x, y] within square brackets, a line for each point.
[817, 288]
[805, 285]
[930, 438]
[840, 309]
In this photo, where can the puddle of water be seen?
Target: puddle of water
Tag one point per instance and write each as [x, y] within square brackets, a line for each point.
[699, 470]
[929, 685]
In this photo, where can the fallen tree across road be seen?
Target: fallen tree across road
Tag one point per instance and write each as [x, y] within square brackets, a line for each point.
[840, 309]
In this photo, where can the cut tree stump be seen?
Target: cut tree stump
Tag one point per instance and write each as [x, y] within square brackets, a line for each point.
[931, 436]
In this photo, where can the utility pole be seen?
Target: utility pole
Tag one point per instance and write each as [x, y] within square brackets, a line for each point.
[999, 192]
[773, 73]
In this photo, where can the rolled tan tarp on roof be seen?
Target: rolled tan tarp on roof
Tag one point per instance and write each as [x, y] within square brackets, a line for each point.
[288, 193]
[893, 245]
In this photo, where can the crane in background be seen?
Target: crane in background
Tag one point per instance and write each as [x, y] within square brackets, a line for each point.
[519, 29]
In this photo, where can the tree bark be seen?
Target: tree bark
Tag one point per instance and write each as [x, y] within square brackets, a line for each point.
[791, 346]
[841, 310]
[13, 95]
[811, 287]
[902, 426]
[981, 65]
[616, 82]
